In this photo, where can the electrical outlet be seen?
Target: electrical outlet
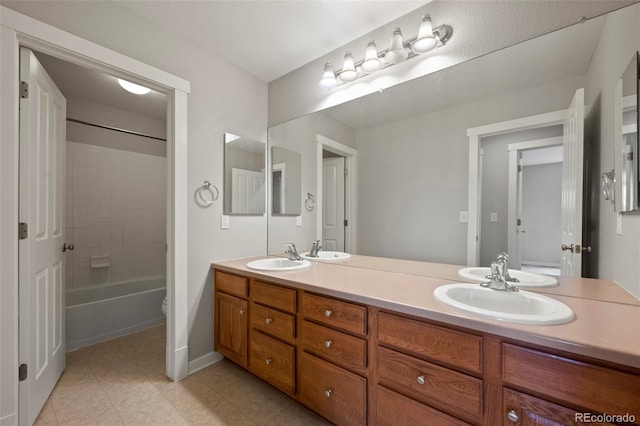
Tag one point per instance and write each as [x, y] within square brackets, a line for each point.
[224, 221]
[464, 217]
[299, 220]
[493, 217]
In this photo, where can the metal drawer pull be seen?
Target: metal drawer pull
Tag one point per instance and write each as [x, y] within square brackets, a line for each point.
[328, 393]
[328, 313]
[420, 380]
[269, 320]
[269, 361]
[242, 311]
[512, 416]
[328, 344]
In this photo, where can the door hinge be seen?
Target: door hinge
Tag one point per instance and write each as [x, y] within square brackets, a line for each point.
[519, 168]
[346, 222]
[23, 231]
[346, 172]
[519, 222]
[24, 90]
[22, 372]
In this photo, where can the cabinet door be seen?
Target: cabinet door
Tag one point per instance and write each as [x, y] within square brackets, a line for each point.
[231, 328]
[525, 410]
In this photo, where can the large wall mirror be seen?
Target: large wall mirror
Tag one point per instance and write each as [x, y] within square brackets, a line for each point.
[412, 184]
[244, 175]
[626, 155]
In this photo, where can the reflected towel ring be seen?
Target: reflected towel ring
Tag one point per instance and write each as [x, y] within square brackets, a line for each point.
[212, 189]
[310, 202]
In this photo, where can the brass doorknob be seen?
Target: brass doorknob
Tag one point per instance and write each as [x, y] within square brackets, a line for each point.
[66, 247]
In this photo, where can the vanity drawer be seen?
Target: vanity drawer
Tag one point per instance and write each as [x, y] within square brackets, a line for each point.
[586, 385]
[338, 347]
[272, 322]
[393, 409]
[231, 284]
[274, 296]
[430, 383]
[272, 360]
[335, 393]
[448, 346]
[336, 313]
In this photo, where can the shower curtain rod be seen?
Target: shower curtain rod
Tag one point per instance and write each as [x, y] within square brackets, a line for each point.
[74, 120]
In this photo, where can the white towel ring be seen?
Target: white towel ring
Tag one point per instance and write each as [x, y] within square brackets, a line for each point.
[211, 189]
[310, 202]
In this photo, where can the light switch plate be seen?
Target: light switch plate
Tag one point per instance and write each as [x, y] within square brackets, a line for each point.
[224, 221]
[464, 217]
[493, 217]
[298, 220]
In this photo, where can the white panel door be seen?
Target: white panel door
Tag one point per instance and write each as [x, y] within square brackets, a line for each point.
[42, 269]
[514, 209]
[247, 191]
[572, 182]
[333, 204]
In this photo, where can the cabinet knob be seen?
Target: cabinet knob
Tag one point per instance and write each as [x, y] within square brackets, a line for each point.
[328, 313]
[269, 320]
[420, 380]
[268, 361]
[328, 393]
[328, 343]
[242, 311]
[512, 416]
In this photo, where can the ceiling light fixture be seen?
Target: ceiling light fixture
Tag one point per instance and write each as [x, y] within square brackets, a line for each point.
[428, 38]
[133, 88]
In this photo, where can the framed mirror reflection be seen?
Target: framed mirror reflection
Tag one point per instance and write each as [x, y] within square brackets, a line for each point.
[244, 176]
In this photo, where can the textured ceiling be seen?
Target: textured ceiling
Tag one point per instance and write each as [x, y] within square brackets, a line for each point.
[270, 38]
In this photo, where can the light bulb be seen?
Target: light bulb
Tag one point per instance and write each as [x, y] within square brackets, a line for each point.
[348, 72]
[328, 80]
[133, 88]
[397, 52]
[371, 62]
[425, 41]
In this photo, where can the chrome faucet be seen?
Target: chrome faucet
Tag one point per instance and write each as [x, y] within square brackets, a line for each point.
[315, 248]
[292, 252]
[504, 256]
[498, 276]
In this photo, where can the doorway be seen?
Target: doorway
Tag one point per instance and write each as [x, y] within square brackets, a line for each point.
[17, 32]
[336, 224]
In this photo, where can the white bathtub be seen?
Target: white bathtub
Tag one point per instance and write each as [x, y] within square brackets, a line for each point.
[98, 313]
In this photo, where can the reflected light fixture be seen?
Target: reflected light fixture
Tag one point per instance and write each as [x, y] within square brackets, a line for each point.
[399, 50]
[133, 88]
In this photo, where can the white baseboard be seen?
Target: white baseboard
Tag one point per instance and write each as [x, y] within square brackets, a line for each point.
[204, 361]
[9, 420]
[70, 346]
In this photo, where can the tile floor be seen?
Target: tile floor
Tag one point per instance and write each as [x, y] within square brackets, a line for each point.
[122, 382]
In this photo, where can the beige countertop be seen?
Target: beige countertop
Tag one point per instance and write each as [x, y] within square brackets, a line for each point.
[606, 328]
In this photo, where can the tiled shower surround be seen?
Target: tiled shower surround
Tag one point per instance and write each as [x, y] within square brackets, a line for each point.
[115, 206]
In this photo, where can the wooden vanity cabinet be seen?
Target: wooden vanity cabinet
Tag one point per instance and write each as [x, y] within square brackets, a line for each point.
[231, 317]
[356, 364]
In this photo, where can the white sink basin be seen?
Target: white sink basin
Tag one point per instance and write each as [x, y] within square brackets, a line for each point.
[527, 279]
[327, 256]
[521, 307]
[278, 264]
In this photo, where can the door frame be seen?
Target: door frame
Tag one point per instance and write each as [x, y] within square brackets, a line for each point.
[513, 243]
[20, 30]
[350, 187]
[475, 135]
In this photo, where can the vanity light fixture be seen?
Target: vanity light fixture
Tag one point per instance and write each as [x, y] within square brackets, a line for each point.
[133, 88]
[428, 38]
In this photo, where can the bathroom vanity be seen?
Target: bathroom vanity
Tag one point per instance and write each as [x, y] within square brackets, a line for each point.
[363, 346]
